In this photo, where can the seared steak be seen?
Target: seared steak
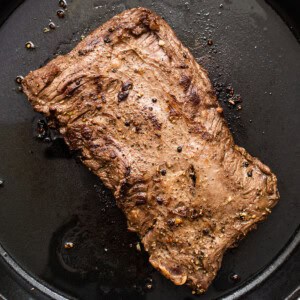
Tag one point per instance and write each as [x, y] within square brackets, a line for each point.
[133, 100]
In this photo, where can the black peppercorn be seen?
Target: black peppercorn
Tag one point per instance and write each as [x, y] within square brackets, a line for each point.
[179, 149]
[127, 86]
[205, 231]
[163, 172]
[107, 40]
[171, 222]
[159, 200]
[245, 164]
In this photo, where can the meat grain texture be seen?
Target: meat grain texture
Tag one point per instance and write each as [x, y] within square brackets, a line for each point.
[133, 100]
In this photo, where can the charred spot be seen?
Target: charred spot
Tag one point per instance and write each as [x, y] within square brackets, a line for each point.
[122, 96]
[127, 171]
[201, 255]
[99, 85]
[185, 82]
[146, 23]
[174, 98]
[192, 174]
[212, 94]
[208, 213]
[171, 222]
[183, 66]
[140, 201]
[125, 187]
[52, 110]
[194, 98]
[112, 154]
[176, 270]
[68, 86]
[206, 136]
[70, 89]
[93, 96]
[195, 213]
[127, 86]
[107, 39]
[86, 132]
[173, 112]
[159, 200]
[82, 52]
[142, 25]
[138, 30]
[138, 128]
[91, 44]
[241, 216]
[74, 139]
[156, 124]
[196, 129]
[144, 19]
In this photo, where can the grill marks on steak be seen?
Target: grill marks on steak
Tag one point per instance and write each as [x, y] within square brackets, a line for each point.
[127, 97]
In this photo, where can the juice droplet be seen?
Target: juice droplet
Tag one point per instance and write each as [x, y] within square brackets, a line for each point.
[235, 277]
[68, 245]
[29, 45]
[19, 79]
[63, 3]
[52, 25]
[60, 13]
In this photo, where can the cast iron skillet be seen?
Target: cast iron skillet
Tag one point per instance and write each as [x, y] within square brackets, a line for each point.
[48, 198]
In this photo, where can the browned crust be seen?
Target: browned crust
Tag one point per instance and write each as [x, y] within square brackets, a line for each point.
[188, 206]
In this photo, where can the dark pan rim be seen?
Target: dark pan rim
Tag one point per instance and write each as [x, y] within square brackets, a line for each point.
[253, 282]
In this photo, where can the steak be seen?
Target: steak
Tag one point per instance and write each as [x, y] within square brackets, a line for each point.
[143, 114]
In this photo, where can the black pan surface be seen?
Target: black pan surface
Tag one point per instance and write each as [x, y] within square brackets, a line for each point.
[49, 198]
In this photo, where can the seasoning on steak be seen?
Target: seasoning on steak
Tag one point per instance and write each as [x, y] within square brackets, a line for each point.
[143, 113]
